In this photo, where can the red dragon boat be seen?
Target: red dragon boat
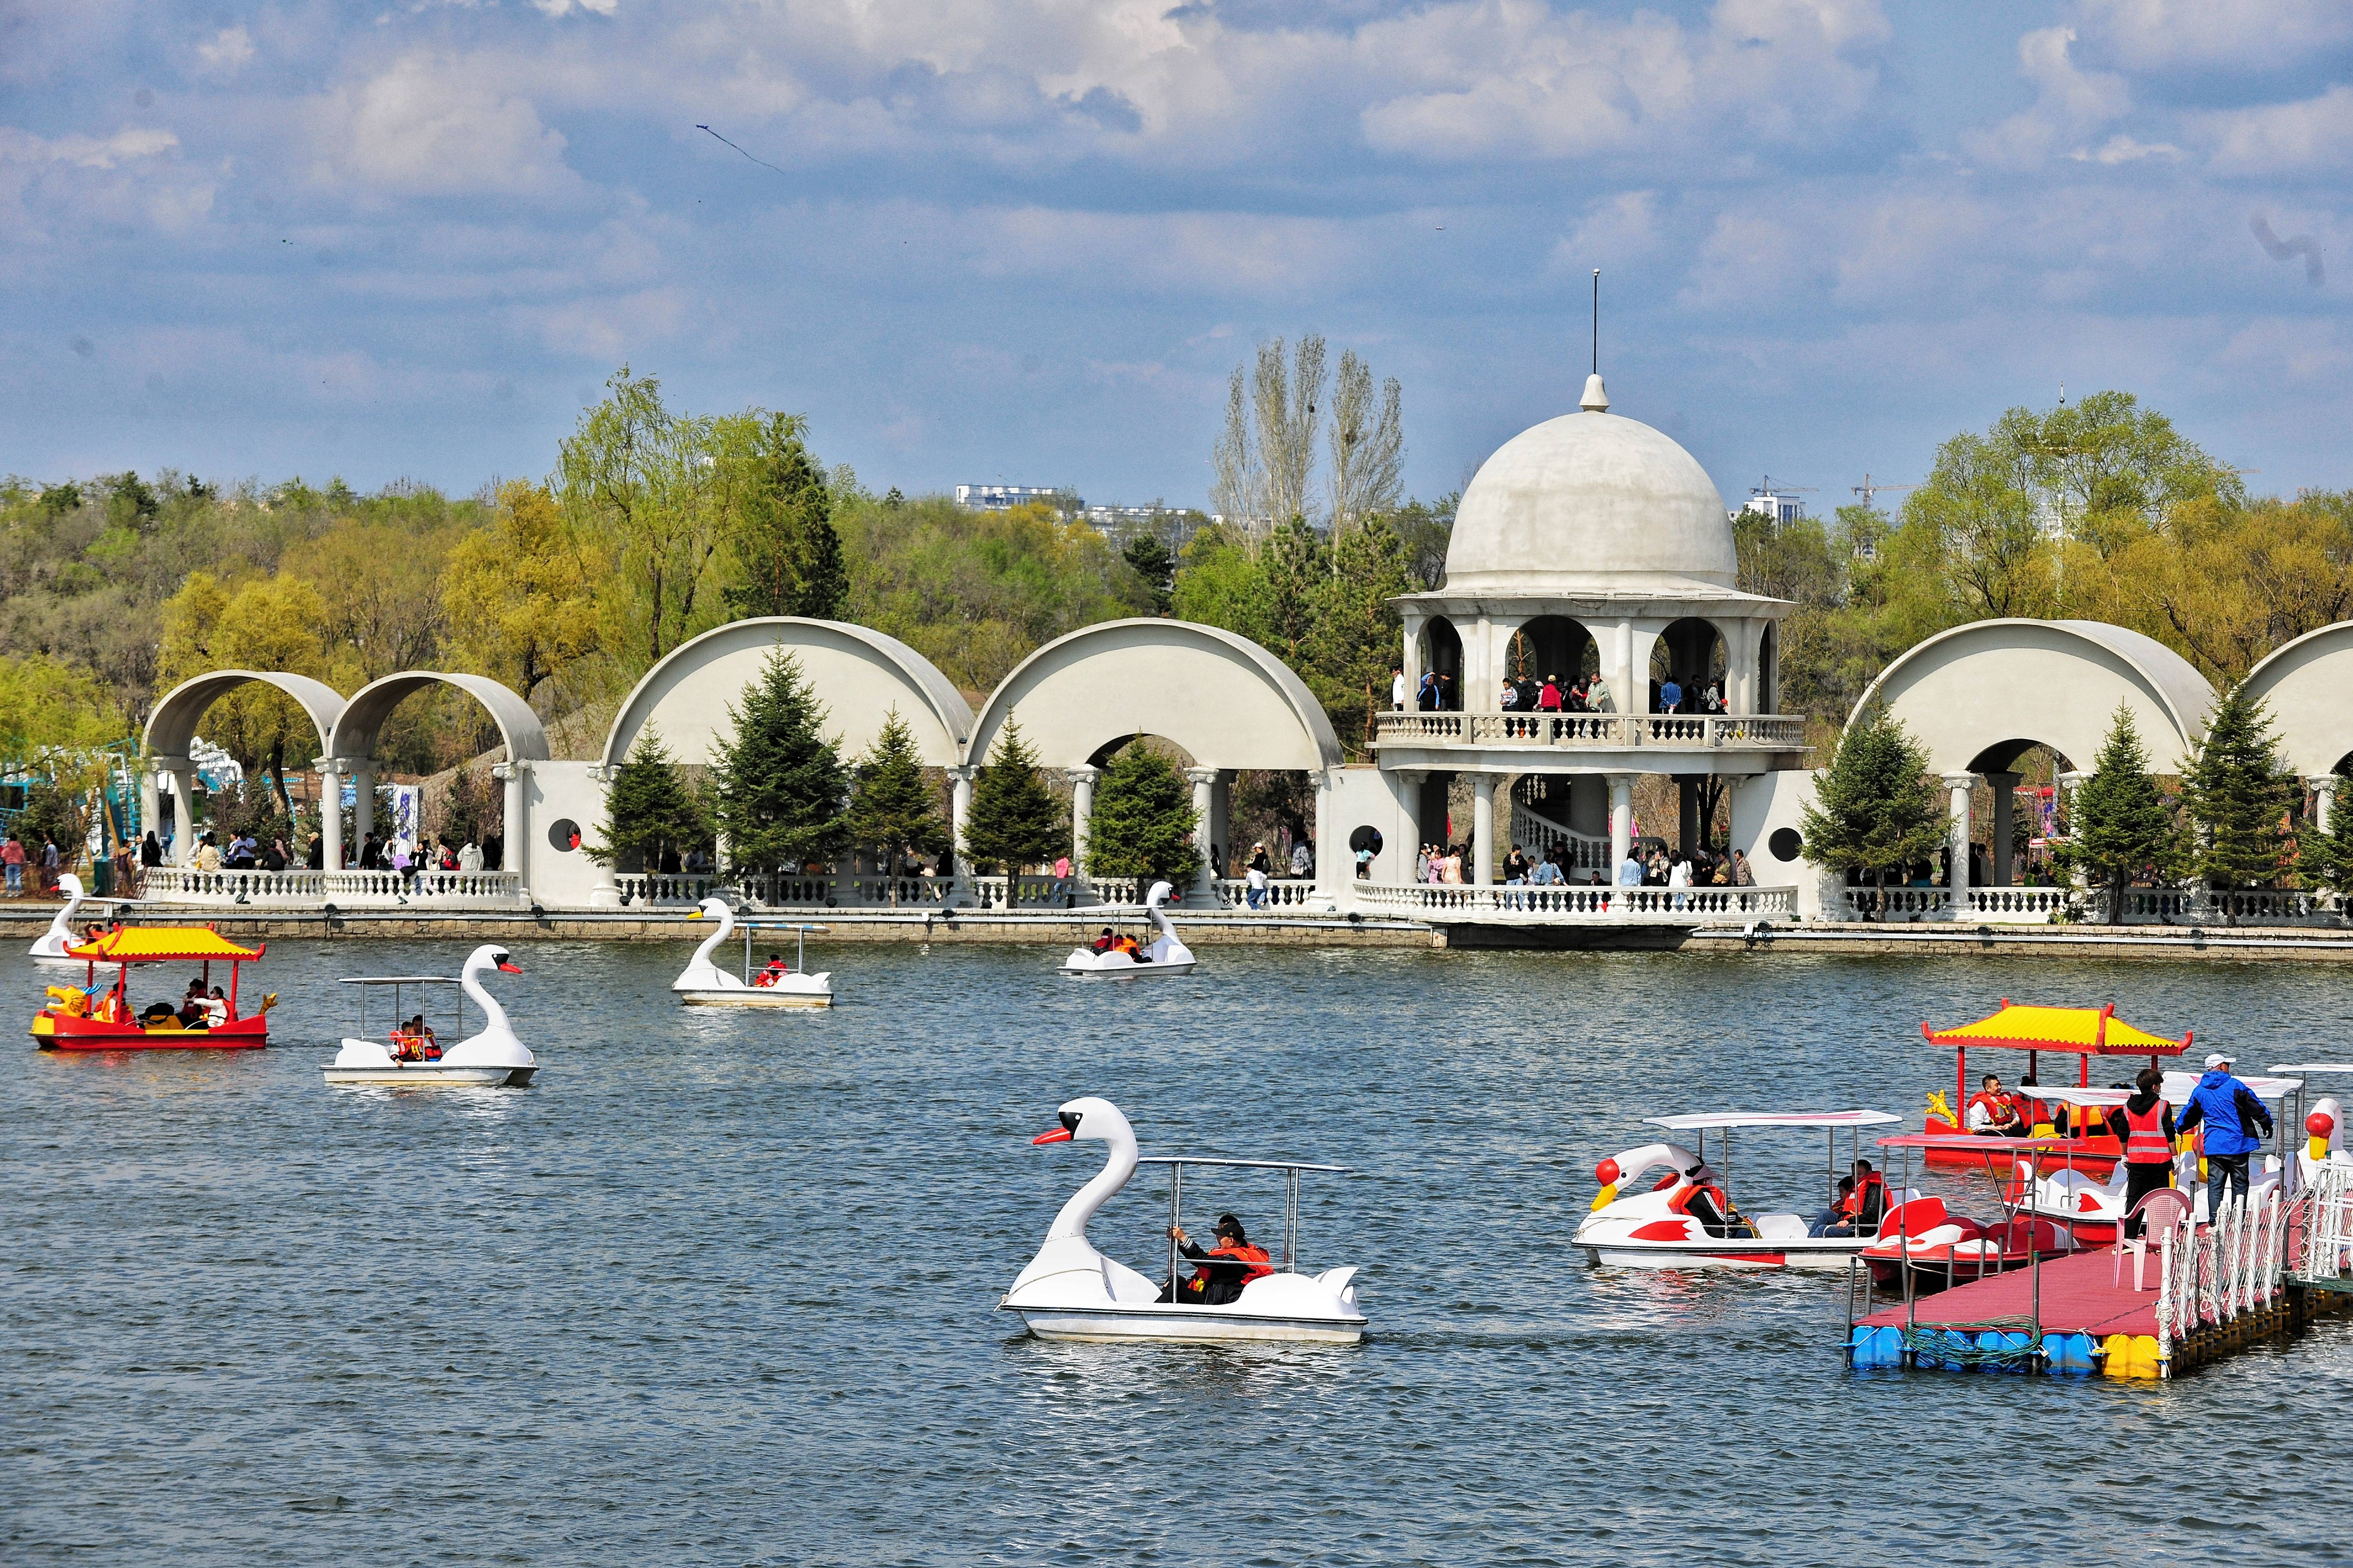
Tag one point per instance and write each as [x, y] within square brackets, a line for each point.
[96, 1016]
[2080, 1032]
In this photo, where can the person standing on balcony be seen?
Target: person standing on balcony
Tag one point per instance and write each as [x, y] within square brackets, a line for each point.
[1629, 869]
[469, 858]
[1426, 696]
[1671, 696]
[1742, 876]
[1509, 699]
[1597, 695]
[1396, 690]
[1548, 700]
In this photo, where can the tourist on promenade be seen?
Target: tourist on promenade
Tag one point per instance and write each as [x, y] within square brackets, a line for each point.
[1629, 869]
[1671, 696]
[1426, 695]
[1061, 879]
[469, 857]
[12, 856]
[1680, 875]
[274, 858]
[1515, 865]
[1546, 873]
[316, 857]
[1742, 876]
[2231, 1115]
[1993, 1114]
[2144, 1126]
[1256, 878]
[1453, 865]
[151, 851]
[1303, 859]
[1548, 700]
[1421, 864]
[208, 854]
[1597, 696]
[1396, 690]
[1365, 864]
[1510, 697]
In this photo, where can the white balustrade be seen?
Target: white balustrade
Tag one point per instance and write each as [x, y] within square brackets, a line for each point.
[298, 889]
[1599, 731]
[1446, 902]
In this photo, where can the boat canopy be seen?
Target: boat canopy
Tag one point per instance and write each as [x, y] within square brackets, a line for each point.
[1710, 1120]
[400, 980]
[2072, 1094]
[2310, 1067]
[2084, 1031]
[1247, 1164]
[1976, 1142]
[162, 944]
[2179, 1085]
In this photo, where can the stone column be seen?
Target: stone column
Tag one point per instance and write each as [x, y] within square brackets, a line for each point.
[1204, 895]
[150, 799]
[605, 893]
[2324, 799]
[515, 841]
[959, 813]
[1622, 822]
[363, 777]
[1405, 836]
[330, 814]
[1618, 664]
[1482, 828]
[1957, 840]
[1083, 780]
[2005, 805]
[183, 807]
[1221, 821]
[1335, 863]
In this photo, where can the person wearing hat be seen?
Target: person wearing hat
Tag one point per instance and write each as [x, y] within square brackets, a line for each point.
[1224, 1268]
[2231, 1115]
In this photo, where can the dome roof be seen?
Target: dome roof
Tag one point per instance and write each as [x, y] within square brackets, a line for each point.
[1590, 502]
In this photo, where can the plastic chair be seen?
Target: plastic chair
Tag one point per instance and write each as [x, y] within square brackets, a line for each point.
[2161, 1212]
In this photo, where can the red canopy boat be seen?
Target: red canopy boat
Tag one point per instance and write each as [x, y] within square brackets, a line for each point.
[90, 1018]
[2081, 1032]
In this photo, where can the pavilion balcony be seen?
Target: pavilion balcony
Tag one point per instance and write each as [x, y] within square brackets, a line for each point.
[1447, 903]
[300, 888]
[1594, 732]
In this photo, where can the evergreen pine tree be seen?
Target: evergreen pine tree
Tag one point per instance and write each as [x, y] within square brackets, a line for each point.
[1150, 558]
[892, 807]
[1014, 820]
[650, 807]
[786, 551]
[2324, 855]
[778, 783]
[2240, 796]
[1144, 821]
[1875, 811]
[2121, 825]
[1296, 565]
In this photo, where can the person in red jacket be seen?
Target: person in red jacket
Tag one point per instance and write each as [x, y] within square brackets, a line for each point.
[1224, 1268]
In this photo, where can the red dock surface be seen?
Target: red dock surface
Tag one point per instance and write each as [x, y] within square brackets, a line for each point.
[2077, 1299]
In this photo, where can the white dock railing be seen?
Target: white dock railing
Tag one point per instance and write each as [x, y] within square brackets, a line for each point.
[301, 888]
[1449, 903]
[2214, 1274]
[2046, 905]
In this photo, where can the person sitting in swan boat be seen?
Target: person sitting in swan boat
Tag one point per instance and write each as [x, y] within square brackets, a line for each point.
[775, 969]
[1105, 942]
[1224, 1268]
[415, 1042]
[1703, 1197]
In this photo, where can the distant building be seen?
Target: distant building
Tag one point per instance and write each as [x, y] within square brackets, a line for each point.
[1783, 509]
[1004, 497]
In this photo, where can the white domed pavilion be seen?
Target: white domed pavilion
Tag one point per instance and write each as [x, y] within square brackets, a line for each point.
[1590, 545]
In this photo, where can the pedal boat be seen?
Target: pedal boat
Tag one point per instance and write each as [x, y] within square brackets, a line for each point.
[492, 1058]
[1166, 953]
[55, 945]
[705, 984]
[2080, 1032]
[1651, 1229]
[90, 1018]
[1071, 1291]
[1942, 1248]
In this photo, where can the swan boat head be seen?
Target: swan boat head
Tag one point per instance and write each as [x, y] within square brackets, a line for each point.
[1068, 1259]
[496, 1044]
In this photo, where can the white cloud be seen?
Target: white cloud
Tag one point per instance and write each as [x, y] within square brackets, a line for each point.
[125, 145]
[2122, 149]
[434, 125]
[227, 51]
[1614, 230]
[2068, 103]
[2203, 34]
[564, 7]
[2314, 136]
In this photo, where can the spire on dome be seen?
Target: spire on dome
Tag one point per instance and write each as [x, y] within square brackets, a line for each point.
[1597, 397]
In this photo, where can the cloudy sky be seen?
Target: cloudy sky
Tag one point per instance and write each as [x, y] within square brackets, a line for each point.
[1026, 240]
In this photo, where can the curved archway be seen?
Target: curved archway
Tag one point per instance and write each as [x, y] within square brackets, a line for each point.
[2307, 685]
[857, 673]
[173, 726]
[1441, 655]
[1990, 684]
[351, 753]
[1694, 652]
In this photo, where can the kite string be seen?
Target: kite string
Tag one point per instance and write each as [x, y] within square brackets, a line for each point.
[762, 162]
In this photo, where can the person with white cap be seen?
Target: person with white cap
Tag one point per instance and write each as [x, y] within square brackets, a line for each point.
[2230, 1114]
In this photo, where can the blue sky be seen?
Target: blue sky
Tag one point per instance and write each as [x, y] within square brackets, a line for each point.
[1027, 239]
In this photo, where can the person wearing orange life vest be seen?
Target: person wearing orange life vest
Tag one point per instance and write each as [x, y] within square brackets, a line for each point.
[1862, 1205]
[2144, 1125]
[1993, 1114]
[1704, 1199]
[1223, 1269]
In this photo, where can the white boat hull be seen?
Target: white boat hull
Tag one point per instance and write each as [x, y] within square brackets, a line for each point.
[758, 996]
[1720, 1253]
[420, 1075]
[1075, 971]
[1170, 1324]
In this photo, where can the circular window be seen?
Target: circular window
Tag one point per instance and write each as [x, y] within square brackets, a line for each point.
[563, 833]
[1364, 838]
[1786, 844]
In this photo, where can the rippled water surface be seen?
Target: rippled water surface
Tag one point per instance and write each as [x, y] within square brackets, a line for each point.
[721, 1288]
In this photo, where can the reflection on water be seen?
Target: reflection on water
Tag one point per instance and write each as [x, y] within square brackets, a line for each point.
[721, 1284]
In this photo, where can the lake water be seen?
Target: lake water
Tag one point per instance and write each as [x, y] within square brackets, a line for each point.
[721, 1288]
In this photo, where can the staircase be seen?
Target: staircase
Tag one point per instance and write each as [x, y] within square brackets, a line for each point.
[1538, 802]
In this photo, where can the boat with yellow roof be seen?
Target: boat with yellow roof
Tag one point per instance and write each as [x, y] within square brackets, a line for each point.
[93, 1017]
[2064, 1135]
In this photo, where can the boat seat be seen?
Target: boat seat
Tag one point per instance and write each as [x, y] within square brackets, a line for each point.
[1917, 1214]
[1780, 1228]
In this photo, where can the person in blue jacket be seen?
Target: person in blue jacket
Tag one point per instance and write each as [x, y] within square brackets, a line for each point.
[2230, 1114]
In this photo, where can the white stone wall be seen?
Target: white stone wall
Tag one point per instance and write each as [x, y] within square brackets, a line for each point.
[561, 792]
[1763, 807]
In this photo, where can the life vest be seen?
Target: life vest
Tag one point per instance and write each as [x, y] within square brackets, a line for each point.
[1995, 1105]
[1261, 1264]
[2145, 1143]
[1855, 1205]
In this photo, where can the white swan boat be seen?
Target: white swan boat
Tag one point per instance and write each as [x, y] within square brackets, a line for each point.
[1167, 954]
[705, 984]
[1071, 1291]
[490, 1057]
[1673, 1226]
[53, 945]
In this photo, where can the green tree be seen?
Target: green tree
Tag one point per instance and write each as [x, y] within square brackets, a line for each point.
[651, 808]
[1015, 820]
[1218, 583]
[1143, 822]
[2324, 854]
[1296, 565]
[1152, 561]
[892, 807]
[1875, 810]
[2121, 825]
[2239, 798]
[1358, 633]
[778, 784]
[519, 592]
[787, 555]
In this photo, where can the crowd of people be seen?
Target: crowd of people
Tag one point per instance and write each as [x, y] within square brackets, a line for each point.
[1645, 866]
[45, 859]
[1436, 692]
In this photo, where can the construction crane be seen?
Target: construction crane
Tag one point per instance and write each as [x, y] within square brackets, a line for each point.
[1870, 488]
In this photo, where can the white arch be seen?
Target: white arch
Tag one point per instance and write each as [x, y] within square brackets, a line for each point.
[2307, 685]
[857, 673]
[354, 737]
[174, 722]
[1226, 700]
[1979, 686]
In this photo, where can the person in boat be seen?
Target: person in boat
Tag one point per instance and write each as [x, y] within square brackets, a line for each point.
[1992, 1113]
[215, 1009]
[1128, 945]
[2144, 1126]
[1833, 1221]
[1223, 1269]
[1105, 942]
[1703, 1197]
[195, 1013]
[775, 969]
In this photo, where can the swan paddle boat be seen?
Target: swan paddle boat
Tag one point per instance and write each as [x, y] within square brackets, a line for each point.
[1166, 953]
[1071, 1291]
[55, 945]
[705, 984]
[1686, 1220]
[2080, 1032]
[2323, 1125]
[93, 1017]
[409, 1057]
